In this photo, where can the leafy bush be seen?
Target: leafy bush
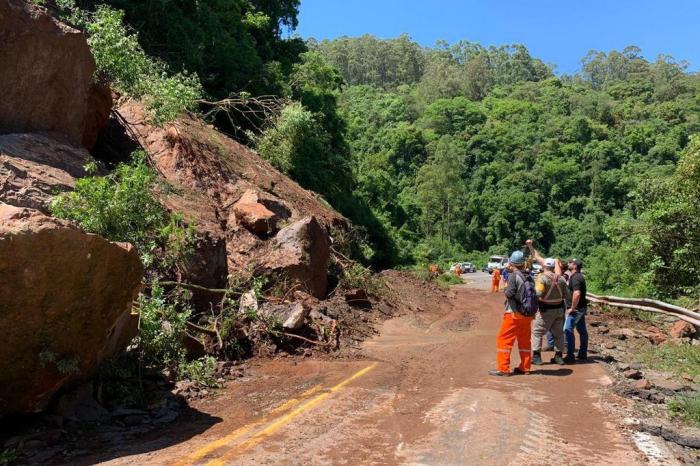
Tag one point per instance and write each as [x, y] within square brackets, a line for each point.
[121, 59]
[162, 325]
[121, 207]
[201, 371]
[358, 276]
[447, 279]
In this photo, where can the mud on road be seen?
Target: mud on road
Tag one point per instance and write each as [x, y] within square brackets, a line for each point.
[419, 394]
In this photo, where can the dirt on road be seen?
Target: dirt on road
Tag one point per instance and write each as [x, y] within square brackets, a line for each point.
[419, 394]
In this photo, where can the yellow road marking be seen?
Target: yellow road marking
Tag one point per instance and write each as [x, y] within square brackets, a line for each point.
[283, 420]
[216, 444]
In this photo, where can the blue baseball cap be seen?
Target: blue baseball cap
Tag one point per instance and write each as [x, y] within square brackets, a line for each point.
[517, 258]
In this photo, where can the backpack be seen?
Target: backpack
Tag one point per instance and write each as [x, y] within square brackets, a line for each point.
[527, 296]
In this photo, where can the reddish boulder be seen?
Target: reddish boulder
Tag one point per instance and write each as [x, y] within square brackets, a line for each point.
[47, 76]
[682, 329]
[299, 253]
[252, 214]
[34, 167]
[66, 305]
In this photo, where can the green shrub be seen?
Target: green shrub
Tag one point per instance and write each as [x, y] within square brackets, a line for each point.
[201, 371]
[358, 276]
[686, 408]
[162, 324]
[8, 456]
[445, 280]
[121, 207]
[121, 60]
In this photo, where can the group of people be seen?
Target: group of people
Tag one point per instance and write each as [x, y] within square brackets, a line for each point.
[551, 306]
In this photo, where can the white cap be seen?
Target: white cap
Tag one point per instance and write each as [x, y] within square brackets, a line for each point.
[549, 262]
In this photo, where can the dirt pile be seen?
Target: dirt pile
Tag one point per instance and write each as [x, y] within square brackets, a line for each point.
[49, 85]
[63, 309]
[243, 208]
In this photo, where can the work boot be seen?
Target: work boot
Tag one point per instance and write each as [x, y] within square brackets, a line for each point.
[557, 359]
[537, 358]
[519, 371]
[569, 359]
[497, 373]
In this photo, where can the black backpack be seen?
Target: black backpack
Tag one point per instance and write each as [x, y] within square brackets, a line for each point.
[527, 296]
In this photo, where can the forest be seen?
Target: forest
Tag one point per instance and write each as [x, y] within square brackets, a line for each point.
[439, 153]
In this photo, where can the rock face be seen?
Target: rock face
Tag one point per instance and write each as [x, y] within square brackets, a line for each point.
[682, 329]
[34, 167]
[300, 253]
[49, 86]
[66, 305]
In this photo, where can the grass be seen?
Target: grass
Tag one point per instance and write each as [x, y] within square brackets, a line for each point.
[681, 359]
[686, 408]
[446, 280]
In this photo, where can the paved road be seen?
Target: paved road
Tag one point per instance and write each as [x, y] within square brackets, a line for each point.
[421, 397]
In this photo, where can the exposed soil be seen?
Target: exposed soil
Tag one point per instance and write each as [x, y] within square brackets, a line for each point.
[416, 394]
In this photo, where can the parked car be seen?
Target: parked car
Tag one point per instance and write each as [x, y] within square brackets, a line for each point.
[468, 267]
[496, 262]
[464, 267]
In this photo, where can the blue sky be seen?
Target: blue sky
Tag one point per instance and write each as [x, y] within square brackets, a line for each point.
[559, 32]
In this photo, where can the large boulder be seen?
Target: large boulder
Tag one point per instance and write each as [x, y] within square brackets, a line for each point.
[299, 253]
[46, 76]
[34, 167]
[250, 212]
[66, 305]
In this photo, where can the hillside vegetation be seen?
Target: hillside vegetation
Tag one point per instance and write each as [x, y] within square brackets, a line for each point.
[437, 153]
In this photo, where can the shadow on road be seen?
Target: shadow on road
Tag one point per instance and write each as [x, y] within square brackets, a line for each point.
[118, 443]
[560, 372]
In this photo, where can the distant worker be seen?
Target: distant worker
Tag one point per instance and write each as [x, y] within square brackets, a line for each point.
[576, 314]
[458, 270]
[433, 270]
[517, 319]
[553, 294]
[495, 280]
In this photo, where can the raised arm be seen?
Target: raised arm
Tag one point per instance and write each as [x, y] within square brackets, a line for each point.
[534, 253]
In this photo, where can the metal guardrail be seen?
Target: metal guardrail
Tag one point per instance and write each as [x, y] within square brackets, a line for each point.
[649, 305]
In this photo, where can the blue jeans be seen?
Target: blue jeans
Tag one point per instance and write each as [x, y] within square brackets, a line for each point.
[576, 320]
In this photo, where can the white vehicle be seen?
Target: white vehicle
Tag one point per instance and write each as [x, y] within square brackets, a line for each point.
[496, 262]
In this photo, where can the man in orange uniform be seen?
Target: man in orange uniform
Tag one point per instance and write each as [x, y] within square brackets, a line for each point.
[514, 326]
[495, 280]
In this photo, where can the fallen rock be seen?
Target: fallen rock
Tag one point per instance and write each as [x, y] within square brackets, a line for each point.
[642, 384]
[622, 333]
[357, 297]
[35, 167]
[632, 374]
[656, 338]
[682, 329]
[670, 386]
[248, 302]
[305, 299]
[66, 305]
[291, 316]
[300, 253]
[47, 76]
[252, 214]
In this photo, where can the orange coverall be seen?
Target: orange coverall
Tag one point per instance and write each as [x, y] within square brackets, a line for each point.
[514, 327]
[495, 281]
